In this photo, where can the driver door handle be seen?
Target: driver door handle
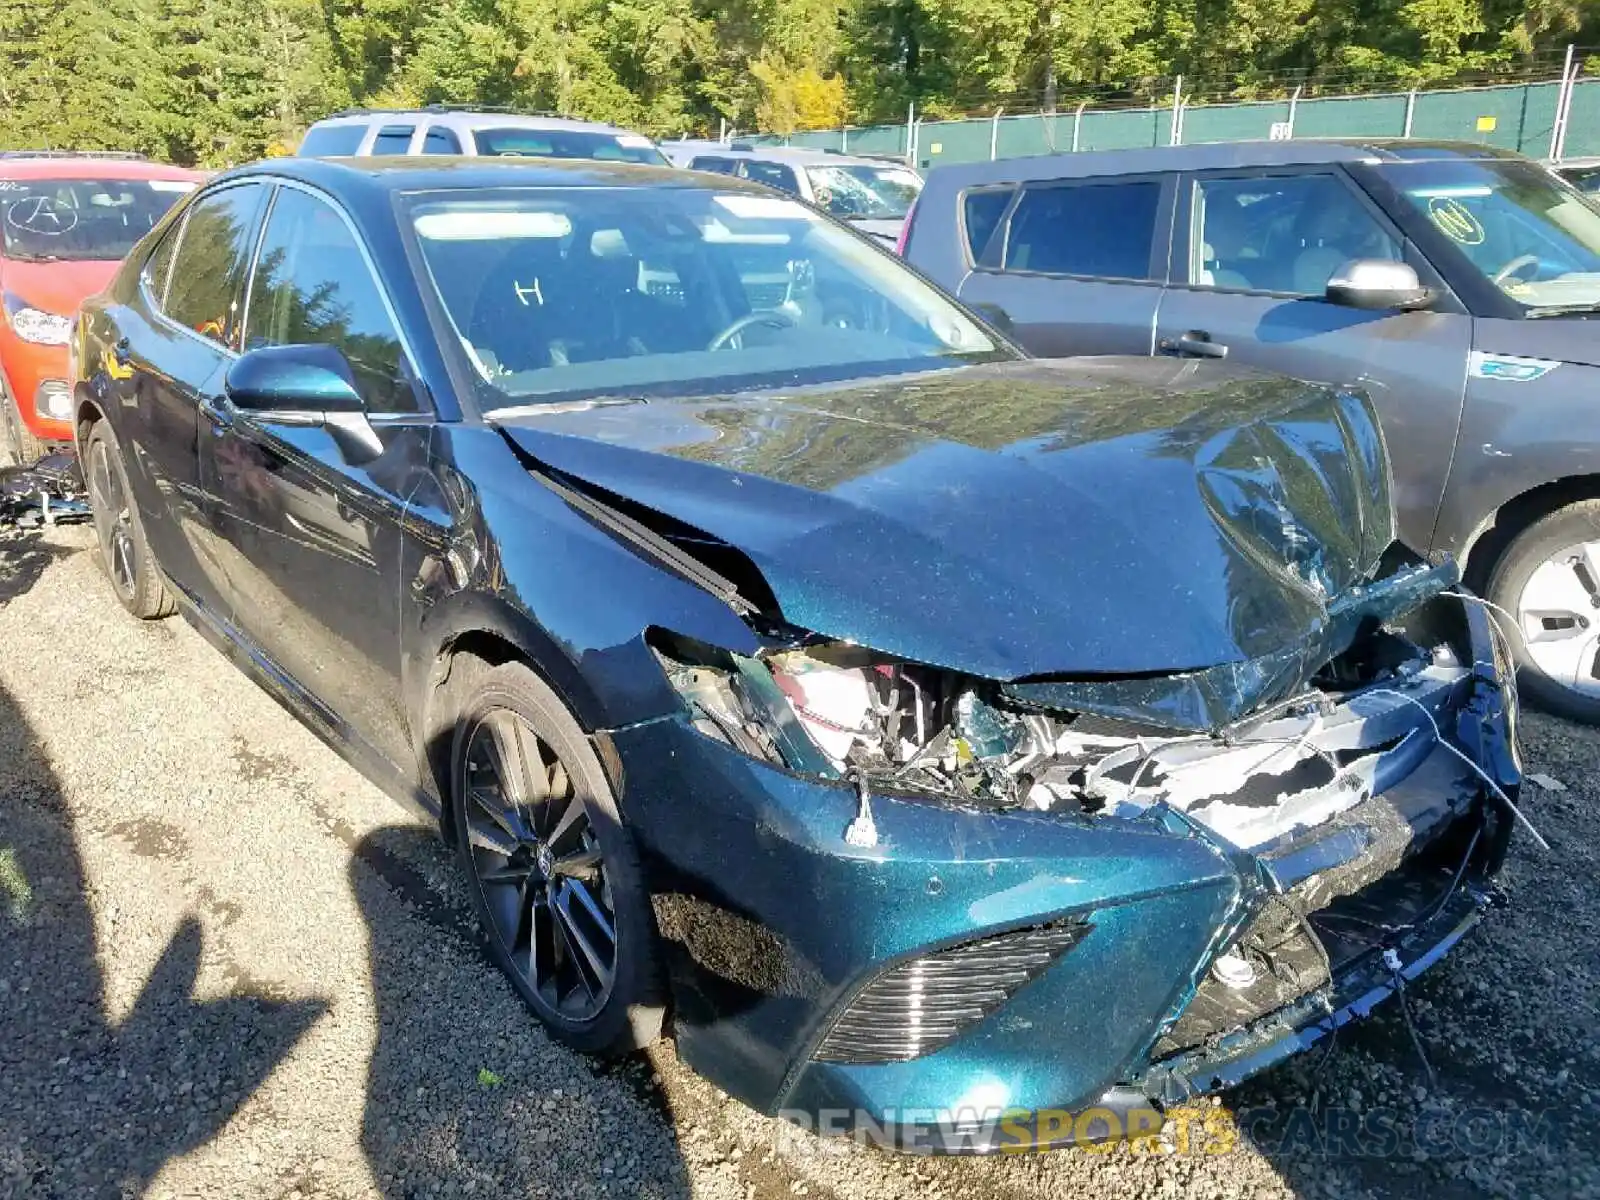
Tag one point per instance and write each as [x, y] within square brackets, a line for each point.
[1196, 343]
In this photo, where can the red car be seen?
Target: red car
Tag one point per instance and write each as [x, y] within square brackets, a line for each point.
[66, 221]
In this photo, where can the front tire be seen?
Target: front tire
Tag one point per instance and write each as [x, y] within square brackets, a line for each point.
[552, 873]
[23, 448]
[124, 550]
[1548, 579]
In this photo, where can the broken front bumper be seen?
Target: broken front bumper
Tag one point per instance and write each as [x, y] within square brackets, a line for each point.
[977, 962]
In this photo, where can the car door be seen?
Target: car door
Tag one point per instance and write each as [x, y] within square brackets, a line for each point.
[1077, 267]
[312, 516]
[175, 344]
[1254, 254]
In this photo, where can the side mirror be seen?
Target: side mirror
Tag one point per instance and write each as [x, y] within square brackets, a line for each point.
[293, 379]
[305, 385]
[1377, 283]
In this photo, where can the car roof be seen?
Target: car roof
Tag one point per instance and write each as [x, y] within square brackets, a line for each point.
[380, 174]
[82, 166]
[467, 119]
[801, 155]
[1211, 155]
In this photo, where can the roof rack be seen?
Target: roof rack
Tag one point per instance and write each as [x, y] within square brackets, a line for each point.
[506, 109]
[128, 155]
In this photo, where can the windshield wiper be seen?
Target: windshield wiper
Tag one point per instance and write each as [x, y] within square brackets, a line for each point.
[1562, 310]
[552, 407]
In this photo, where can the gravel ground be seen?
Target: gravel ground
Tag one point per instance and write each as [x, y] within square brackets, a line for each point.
[229, 967]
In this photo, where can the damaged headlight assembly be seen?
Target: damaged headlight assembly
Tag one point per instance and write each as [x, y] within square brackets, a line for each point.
[835, 710]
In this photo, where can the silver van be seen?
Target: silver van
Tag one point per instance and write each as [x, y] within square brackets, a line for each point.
[1458, 284]
[439, 129]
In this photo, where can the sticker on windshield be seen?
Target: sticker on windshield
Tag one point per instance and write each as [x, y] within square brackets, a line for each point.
[769, 208]
[177, 186]
[1455, 220]
[1508, 367]
[636, 140]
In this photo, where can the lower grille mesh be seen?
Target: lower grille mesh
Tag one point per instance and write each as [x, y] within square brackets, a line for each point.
[918, 1006]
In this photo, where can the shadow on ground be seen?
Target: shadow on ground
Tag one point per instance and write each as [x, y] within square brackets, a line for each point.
[23, 558]
[86, 1107]
[463, 1083]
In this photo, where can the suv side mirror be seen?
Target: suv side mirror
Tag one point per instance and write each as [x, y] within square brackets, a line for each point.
[1377, 283]
[300, 379]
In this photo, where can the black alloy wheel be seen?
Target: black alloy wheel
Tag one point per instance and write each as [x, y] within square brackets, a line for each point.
[124, 550]
[540, 868]
[553, 873]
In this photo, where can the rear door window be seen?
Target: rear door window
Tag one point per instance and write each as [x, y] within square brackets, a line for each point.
[393, 139]
[332, 141]
[158, 267]
[1099, 229]
[980, 215]
[205, 291]
[772, 174]
[439, 140]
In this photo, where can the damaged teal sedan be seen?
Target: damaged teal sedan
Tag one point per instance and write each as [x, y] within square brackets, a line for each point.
[919, 733]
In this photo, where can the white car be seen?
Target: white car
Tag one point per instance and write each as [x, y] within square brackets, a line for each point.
[873, 194]
[361, 132]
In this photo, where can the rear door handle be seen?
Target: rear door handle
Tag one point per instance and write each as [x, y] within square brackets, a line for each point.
[1196, 343]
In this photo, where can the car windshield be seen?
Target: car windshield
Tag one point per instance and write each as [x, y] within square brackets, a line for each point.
[568, 143]
[560, 294]
[46, 220]
[1533, 237]
[862, 191]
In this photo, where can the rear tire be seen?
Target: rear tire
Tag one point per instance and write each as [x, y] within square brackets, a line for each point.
[124, 550]
[1550, 584]
[20, 445]
[553, 874]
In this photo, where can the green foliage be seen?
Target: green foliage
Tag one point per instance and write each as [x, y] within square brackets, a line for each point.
[220, 81]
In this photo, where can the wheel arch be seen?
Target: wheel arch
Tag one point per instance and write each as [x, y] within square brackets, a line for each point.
[86, 412]
[1489, 540]
[488, 629]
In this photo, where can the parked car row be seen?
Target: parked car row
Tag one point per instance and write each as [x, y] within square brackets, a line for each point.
[918, 726]
[873, 194]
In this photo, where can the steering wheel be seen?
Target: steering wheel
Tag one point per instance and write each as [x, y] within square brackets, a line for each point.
[1511, 268]
[777, 318]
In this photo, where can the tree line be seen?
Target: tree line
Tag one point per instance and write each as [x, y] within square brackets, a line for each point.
[219, 81]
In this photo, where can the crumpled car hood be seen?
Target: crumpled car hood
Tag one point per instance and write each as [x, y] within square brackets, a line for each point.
[1066, 520]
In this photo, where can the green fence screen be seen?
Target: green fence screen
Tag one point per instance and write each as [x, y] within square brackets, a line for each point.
[1514, 116]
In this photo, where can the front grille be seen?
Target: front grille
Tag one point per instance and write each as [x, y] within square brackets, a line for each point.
[918, 1006]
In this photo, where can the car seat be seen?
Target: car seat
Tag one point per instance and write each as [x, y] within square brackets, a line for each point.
[512, 320]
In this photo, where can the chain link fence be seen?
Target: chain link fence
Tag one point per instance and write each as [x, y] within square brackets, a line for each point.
[1546, 119]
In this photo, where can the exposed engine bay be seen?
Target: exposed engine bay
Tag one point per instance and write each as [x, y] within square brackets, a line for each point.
[1294, 764]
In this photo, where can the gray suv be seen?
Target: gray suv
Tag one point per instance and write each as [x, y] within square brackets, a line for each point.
[359, 132]
[1458, 284]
